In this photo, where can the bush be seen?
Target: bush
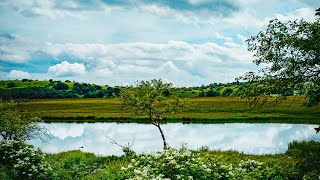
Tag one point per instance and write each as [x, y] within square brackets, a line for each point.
[184, 164]
[308, 156]
[61, 86]
[16, 125]
[21, 161]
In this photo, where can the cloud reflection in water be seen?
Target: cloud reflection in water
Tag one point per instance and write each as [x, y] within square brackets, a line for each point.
[247, 138]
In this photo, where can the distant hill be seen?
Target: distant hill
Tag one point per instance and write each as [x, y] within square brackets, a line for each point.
[35, 89]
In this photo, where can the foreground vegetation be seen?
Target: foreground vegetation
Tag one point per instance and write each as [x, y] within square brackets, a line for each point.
[302, 160]
[206, 109]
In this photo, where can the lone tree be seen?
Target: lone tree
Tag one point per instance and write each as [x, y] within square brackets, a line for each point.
[148, 98]
[290, 53]
[18, 126]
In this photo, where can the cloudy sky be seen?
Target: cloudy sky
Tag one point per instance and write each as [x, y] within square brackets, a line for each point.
[116, 42]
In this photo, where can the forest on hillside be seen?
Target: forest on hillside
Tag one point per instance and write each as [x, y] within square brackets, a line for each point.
[36, 89]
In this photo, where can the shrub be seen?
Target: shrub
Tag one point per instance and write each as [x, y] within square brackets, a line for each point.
[308, 156]
[23, 161]
[184, 164]
[16, 125]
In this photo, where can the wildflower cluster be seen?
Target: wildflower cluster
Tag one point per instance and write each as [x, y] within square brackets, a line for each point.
[23, 160]
[184, 164]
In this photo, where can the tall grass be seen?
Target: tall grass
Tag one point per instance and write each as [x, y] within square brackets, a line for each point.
[300, 161]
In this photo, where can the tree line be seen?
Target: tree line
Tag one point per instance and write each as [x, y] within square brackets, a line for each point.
[56, 89]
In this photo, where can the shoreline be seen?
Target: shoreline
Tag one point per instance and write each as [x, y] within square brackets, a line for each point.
[92, 119]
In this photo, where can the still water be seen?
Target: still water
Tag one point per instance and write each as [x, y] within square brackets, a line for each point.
[247, 138]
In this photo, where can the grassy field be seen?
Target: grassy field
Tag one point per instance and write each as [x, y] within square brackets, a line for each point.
[20, 84]
[206, 110]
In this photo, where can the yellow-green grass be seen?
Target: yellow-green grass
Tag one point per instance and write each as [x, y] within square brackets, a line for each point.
[206, 109]
[213, 109]
[19, 84]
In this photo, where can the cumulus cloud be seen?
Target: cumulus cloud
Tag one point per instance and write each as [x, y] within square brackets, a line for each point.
[155, 52]
[17, 74]
[305, 13]
[67, 69]
[180, 62]
[125, 63]
[79, 9]
[15, 48]
[172, 60]
[192, 42]
[55, 9]
[220, 36]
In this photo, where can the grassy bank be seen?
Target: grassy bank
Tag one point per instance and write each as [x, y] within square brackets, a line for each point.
[22, 161]
[301, 159]
[206, 110]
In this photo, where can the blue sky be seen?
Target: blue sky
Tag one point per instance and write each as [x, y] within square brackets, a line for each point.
[115, 42]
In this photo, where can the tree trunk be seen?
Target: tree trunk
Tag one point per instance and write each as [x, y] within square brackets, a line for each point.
[165, 145]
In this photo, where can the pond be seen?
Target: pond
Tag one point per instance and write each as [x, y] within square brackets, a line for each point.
[243, 137]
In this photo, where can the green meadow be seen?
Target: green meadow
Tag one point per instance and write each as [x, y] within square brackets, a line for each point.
[204, 110]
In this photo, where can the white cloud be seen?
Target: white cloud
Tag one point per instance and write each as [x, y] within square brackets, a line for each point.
[67, 69]
[16, 74]
[305, 13]
[141, 52]
[16, 49]
[188, 46]
[169, 13]
[241, 38]
[251, 19]
[220, 36]
[184, 64]
[247, 138]
[196, 2]
[55, 9]
[172, 60]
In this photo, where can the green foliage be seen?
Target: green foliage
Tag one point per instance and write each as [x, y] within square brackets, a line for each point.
[308, 156]
[32, 89]
[11, 85]
[14, 125]
[61, 86]
[172, 163]
[80, 165]
[220, 89]
[291, 52]
[227, 92]
[259, 89]
[149, 98]
[21, 161]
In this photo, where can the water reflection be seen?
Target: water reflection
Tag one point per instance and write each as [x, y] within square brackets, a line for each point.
[247, 138]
